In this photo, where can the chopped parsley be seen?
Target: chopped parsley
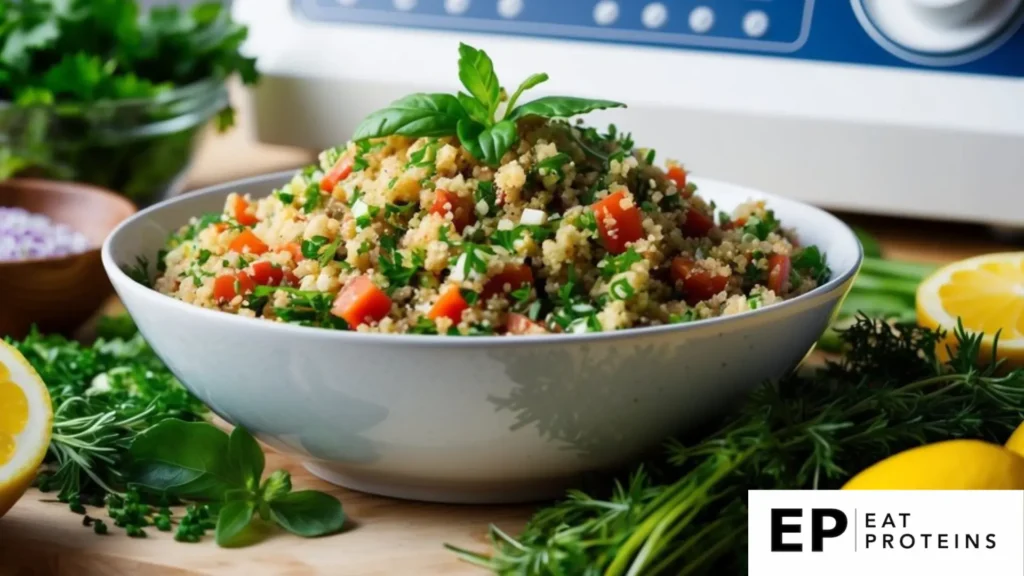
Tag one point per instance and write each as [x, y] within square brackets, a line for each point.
[284, 197]
[812, 261]
[364, 147]
[469, 296]
[331, 157]
[423, 325]
[522, 294]
[311, 248]
[612, 265]
[485, 193]
[688, 316]
[587, 221]
[321, 249]
[311, 198]
[473, 259]
[553, 165]
[204, 256]
[761, 227]
[392, 264]
[649, 158]
[507, 238]
[305, 307]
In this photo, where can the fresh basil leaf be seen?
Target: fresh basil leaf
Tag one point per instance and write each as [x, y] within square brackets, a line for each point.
[276, 485]
[416, 115]
[488, 145]
[530, 82]
[246, 456]
[308, 513]
[468, 132]
[232, 521]
[474, 108]
[561, 107]
[476, 71]
[187, 459]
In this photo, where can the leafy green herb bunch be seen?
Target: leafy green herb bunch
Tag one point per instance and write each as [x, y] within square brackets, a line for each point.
[104, 92]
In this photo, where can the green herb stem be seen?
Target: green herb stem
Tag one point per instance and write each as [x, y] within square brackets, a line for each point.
[911, 271]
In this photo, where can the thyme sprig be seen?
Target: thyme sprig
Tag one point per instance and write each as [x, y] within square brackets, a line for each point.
[685, 514]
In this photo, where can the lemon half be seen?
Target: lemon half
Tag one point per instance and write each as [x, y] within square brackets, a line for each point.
[25, 422]
[949, 465]
[987, 294]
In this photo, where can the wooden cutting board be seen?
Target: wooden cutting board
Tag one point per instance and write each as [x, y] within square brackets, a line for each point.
[39, 537]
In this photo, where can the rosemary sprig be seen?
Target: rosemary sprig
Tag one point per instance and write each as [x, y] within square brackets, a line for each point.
[808, 431]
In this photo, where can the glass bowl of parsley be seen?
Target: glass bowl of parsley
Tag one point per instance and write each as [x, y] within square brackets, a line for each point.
[113, 95]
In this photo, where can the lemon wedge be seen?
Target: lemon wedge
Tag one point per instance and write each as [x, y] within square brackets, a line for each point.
[949, 465]
[25, 422]
[987, 294]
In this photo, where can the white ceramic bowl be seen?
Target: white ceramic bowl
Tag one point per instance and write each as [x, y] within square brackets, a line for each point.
[473, 420]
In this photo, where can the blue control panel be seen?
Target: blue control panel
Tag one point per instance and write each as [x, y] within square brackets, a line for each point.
[841, 31]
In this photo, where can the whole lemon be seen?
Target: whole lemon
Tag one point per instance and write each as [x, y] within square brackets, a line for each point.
[949, 465]
[1016, 441]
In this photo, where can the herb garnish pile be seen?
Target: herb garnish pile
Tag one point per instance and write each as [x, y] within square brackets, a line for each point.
[474, 117]
[64, 62]
[128, 436]
[685, 514]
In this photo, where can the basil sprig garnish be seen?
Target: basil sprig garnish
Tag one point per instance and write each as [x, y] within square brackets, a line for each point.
[473, 116]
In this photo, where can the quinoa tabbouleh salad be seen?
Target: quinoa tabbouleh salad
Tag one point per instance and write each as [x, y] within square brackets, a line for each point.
[470, 214]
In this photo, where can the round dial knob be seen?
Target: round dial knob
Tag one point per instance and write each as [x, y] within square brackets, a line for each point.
[939, 26]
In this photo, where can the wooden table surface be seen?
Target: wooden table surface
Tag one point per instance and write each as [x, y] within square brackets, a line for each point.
[386, 536]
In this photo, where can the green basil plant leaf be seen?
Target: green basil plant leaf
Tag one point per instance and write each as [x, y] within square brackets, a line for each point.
[416, 115]
[561, 107]
[476, 71]
[308, 513]
[232, 521]
[530, 82]
[188, 459]
[246, 456]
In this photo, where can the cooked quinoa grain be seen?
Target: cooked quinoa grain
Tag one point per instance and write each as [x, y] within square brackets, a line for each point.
[424, 239]
[559, 228]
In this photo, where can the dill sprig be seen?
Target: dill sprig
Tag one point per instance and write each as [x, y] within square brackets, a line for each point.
[811, 430]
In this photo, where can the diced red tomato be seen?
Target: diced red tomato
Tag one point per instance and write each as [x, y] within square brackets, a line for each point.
[733, 224]
[778, 273]
[266, 274]
[294, 249]
[697, 284]
[220, 226]
[626, 224]
[460, 208]
[361, 301]
[449, 305]
[677, 175]
[520, 324]
[248, 242]
[515, 275]
[240, 211]
[340, 171]
[697, 224]
[227, 286]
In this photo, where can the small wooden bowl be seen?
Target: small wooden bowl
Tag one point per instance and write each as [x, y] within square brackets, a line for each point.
[58, 294]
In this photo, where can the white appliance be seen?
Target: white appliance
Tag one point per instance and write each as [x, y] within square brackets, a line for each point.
[899, 107]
